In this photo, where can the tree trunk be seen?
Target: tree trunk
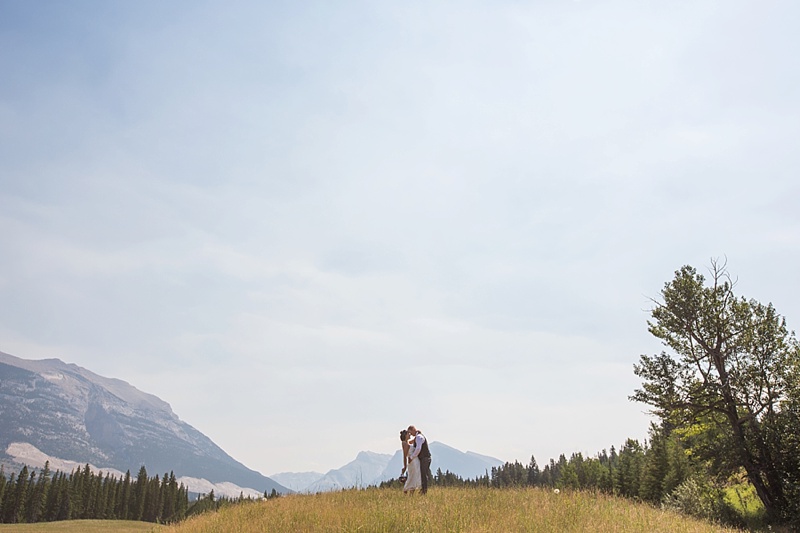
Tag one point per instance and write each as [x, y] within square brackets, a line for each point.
[754, 471]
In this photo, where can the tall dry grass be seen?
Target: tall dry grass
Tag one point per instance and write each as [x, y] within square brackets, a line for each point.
[444, 509]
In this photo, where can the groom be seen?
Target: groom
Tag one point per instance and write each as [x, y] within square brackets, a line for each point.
[421, 450]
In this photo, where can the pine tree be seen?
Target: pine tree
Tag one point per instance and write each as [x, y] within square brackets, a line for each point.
[568, 477]
[124, 502]
[53, 499]
[65, 490]
[107, 498]
[654, 467]
[590, 473]
[139, 494]
[20, 492]
[628, 472]
[2, 490]
[37, 499]
[75, 499]
[170, 490]
[151, 500]
[8, 501]
[182, 502]
[546, 477]
[533, 472]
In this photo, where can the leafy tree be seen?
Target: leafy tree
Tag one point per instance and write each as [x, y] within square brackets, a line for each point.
[730, 375]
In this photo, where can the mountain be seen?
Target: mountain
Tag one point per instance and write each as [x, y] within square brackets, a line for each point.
[361, 472]
[297, 481]
[467, 465]
[370, 468]
[50, 409]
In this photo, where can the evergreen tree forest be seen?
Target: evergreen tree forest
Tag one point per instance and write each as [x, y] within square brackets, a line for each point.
[46, 496]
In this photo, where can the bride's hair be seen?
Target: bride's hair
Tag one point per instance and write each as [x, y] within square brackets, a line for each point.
[403, 434]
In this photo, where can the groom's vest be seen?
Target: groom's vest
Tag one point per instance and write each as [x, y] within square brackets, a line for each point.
[425, 452]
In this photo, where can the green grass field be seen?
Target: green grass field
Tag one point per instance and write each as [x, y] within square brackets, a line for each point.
[81, 526]
[444, 509]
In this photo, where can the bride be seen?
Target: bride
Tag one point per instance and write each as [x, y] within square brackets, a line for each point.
[410, 466]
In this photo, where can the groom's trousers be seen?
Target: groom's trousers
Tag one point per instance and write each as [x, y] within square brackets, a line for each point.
[425, 470]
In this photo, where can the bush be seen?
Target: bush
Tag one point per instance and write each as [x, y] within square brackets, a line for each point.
[701, 499]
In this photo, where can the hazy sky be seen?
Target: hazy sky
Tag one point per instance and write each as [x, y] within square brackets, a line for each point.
[307, 225]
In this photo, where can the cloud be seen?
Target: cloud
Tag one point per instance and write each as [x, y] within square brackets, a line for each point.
[342, 218]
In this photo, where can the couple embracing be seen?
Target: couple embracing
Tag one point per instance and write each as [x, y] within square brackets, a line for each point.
[416, 460]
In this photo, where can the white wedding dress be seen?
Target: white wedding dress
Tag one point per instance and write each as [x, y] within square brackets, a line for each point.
[414, 480]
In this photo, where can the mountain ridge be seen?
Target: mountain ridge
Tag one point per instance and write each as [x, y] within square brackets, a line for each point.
[68, 412]
[362, 470]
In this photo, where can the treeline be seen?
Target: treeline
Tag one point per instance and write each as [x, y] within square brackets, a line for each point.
[668, 470]
[664, 470]
[43, 496]
[210, 502]
[648, 471]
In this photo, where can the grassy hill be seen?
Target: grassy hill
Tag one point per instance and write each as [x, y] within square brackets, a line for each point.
[444, 509]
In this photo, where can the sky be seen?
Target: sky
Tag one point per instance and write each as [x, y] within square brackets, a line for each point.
[307, 225]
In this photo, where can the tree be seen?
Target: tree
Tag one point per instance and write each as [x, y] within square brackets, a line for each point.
[627, 475]
[665, 465]
[730, 373]
[38, 495]
[569, 477]
[2, 489]
[139, 494]
[124, 507]
[15, 512]
[533, 472]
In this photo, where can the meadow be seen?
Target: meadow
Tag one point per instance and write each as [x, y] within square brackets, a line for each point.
[445, 509]
[83, 526]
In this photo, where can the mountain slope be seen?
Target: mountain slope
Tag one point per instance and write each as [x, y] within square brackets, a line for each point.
[467, 465]
[297, 481]
[68, 412]
[361, 472]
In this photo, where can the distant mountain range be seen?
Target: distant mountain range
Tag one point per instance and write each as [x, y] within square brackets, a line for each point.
[370, 468]
[69, 416]
[50, 410]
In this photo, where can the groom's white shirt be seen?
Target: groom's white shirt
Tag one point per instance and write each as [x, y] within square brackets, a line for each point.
[418, 440]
